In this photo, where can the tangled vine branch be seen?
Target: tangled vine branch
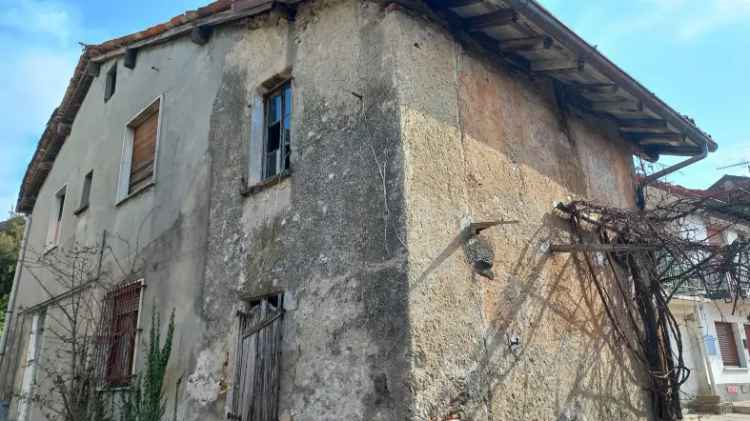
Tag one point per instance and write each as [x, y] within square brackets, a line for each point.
[643, 258]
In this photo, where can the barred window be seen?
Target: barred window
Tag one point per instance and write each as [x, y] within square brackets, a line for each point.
[119, 327]
[258, 360]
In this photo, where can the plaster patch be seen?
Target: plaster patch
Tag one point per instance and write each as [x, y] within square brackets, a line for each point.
[204, 384]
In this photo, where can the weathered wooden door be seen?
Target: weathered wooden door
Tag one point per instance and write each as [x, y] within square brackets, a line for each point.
[256, 387]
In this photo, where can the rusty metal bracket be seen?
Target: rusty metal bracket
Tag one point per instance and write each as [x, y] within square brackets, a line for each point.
[477, 227]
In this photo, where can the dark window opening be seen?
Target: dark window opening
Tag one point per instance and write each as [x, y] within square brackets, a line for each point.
[258, 361]
[277, 148]
[118, 330]
[60, 197]
[86, 191]
[111, 83]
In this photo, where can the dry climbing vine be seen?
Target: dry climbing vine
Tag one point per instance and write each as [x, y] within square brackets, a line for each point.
[639, 259]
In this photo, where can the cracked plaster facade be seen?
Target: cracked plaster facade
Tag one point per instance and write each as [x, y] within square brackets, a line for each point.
[401, 138]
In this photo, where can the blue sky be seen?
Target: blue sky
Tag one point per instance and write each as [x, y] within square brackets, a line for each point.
[692, 53]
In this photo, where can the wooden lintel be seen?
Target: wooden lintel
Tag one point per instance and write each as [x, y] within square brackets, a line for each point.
[131, 55]
[556, 66]
[526, 44]
[497, 18]
[605, 248]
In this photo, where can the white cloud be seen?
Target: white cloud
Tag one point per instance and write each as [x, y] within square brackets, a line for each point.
[690, 19]
[39, 56]
[39, 17]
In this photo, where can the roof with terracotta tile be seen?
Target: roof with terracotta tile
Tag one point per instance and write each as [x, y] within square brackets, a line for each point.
[60, 122]
[221, 11]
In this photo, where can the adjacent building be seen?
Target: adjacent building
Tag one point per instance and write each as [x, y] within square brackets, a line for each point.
[715, 321]
[364, 187]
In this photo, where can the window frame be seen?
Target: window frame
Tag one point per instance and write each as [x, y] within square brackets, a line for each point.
[123, 188]
[108, 324]
[285, 141]
[734, 331]
[88, 182]
[56, 217]
[110, 82]
[255, 179]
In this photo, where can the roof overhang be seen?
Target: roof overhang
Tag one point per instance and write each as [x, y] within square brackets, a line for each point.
[528, 37]
[520, 33]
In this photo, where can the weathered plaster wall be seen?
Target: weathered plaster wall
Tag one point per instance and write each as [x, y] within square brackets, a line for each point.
[161, 233]
[324, 236]
[483, 144]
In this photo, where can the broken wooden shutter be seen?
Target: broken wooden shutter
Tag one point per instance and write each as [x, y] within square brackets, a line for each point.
[727, 344]
[258, 361]
[144, 149]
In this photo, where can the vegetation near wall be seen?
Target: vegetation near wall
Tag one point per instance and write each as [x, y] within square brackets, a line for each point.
[11, 233]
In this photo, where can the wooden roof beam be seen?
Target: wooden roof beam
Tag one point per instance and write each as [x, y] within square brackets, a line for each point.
[620, 105]
[455, 4]
[557, 66]
[526, 44]
[651, 125]
[499, 17]
[647, 137]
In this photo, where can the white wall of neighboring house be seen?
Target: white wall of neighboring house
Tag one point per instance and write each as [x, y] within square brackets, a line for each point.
[697, 318]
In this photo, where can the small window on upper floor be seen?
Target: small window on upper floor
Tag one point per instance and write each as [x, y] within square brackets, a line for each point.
[138, 166]
[277, 146]
[111, 82]
[54, 229]
[85, 192]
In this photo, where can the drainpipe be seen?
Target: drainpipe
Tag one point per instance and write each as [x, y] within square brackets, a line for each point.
[645, 181]
[14, 289]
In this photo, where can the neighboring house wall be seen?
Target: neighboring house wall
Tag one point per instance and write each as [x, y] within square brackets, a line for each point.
[697, 318]
[160, 233]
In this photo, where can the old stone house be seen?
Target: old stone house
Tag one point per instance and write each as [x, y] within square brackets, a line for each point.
[370, 182]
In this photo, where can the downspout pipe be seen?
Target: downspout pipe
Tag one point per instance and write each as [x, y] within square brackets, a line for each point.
[645, 181]
[14, 288]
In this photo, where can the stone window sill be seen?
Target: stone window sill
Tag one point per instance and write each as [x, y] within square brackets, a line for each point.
[264, 184]
[135, 193]
[736, 369]
[49, 249]
[80, 210]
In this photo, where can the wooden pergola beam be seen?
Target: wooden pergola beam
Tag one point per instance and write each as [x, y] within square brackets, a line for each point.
[605, 248]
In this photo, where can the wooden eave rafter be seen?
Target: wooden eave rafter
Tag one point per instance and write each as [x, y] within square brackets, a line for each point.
[518, 33]
[525, 35]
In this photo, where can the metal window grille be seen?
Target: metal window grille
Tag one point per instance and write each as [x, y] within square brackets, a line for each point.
[258, 361]
[118, 329]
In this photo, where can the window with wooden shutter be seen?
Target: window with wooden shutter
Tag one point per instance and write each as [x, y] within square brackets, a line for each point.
[258, 361]
[145, 129]
[727, 344]
[118, 331]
